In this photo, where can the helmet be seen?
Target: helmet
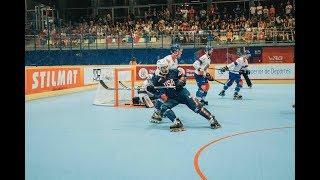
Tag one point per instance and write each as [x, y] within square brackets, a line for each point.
[208, 48]
[247, 53]
[163, 66]
[175, 47]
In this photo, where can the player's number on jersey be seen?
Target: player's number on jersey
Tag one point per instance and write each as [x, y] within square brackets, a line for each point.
[169, 83]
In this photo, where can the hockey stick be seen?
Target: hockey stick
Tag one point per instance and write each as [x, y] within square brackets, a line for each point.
[221, 69]
[126, 87]
[103, 84]
[218, 81]
[109, 88]
[165, 87]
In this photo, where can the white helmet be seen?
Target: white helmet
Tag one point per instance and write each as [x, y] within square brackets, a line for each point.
[163, 66]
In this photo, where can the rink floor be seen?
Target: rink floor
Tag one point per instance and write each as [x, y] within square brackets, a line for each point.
[68, 138]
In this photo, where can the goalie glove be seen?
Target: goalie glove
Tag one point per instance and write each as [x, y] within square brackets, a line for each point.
[210, 78]
[151, 89]
[224, 69]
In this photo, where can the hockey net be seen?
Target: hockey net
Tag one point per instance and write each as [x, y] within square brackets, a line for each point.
[115, 88]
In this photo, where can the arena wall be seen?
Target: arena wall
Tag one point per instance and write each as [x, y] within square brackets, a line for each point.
[45, 81]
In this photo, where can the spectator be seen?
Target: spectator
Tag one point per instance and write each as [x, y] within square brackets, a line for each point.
[212, 12]
[288, 9]
[237, 11]
[184, 13]
[133, 61]
[272, 11]
[192, 13]
[282, 8]
[259, 10]
[224, 13]
[229, 35]
[261, 36]
[278, 22]
[253, 9]
[202, 14]
[265, 12]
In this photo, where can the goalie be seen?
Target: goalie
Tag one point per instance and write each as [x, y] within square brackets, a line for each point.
[202, 75]
[144, 98]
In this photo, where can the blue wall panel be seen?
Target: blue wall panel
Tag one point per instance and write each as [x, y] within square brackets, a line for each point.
[102, 56]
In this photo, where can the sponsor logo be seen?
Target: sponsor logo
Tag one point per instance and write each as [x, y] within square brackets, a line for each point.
[275, 58]
[50, 79]
[42, 79]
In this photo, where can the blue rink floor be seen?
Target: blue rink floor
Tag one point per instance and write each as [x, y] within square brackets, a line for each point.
[68, 138]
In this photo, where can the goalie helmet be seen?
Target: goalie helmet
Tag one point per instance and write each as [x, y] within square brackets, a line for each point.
[163, 67]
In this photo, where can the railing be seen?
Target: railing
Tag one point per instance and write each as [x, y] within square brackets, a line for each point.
[186, 39]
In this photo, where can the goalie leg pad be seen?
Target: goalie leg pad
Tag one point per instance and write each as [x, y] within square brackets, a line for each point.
[147, 101]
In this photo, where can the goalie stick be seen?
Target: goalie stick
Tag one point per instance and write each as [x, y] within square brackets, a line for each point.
[158, 87]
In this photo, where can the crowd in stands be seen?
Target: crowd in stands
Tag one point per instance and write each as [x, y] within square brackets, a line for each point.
[261, 21]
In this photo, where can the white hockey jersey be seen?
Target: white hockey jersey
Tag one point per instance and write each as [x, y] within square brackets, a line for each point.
[173, 64]
[202, 63]
[240, 63]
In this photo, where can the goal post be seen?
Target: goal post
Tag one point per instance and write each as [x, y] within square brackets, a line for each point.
[116, 87]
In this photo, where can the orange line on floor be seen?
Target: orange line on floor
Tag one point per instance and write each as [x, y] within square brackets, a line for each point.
[196, 157]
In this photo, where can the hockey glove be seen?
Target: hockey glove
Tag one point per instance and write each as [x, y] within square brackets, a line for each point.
[210, 78]
[151, 88]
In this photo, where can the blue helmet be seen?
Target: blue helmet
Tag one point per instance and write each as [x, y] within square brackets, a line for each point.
[247, 52]
[208, 48]
[175, 48]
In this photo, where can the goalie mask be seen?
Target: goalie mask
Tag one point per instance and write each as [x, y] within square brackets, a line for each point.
[163, 67]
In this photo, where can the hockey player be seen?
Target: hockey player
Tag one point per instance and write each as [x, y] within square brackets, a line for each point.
[234, 69]
[169, 87]
[172, 59]
[244, 72]
[163, 65]
[202, 75]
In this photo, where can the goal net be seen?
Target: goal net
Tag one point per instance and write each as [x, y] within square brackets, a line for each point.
[116, 88]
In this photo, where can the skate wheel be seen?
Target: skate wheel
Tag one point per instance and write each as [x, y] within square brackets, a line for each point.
[177, 130]
[155, 121]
